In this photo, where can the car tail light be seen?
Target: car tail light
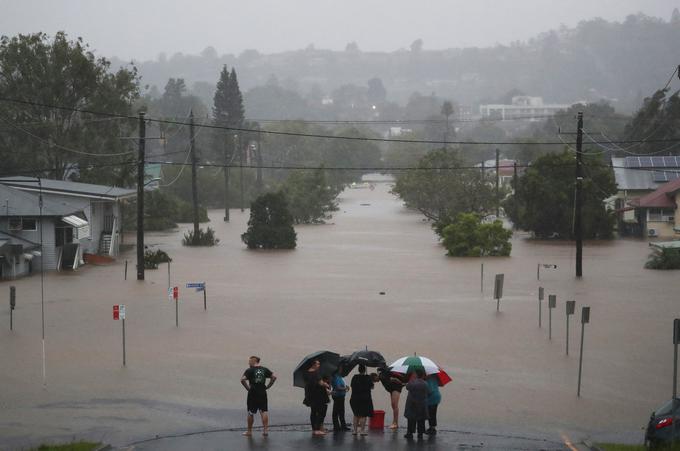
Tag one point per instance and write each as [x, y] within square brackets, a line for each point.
[663, 423]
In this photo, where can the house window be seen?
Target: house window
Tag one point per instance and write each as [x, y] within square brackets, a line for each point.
[14, 224]
[29, 224]
[23, 224]
[660, 214]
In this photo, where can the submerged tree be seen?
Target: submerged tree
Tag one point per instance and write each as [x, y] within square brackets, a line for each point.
[469, 237]
[271, 224]
[543, 202]
[442, 188]
[310, 197]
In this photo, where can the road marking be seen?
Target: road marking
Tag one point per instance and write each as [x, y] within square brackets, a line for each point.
[567, 442]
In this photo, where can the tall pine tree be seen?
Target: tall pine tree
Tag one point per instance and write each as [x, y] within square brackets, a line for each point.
[228, 111]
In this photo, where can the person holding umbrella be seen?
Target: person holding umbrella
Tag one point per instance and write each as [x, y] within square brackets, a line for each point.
[253, 380]
[361, 400]
[316, 397]
[415, 409]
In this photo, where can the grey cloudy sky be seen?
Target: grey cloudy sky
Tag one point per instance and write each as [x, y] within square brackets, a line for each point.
[142, 29]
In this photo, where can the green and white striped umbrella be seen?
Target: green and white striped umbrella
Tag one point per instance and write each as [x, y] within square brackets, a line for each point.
[409, 364]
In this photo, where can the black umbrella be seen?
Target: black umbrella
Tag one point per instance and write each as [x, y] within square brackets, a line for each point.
[329, 364]
[364, 357]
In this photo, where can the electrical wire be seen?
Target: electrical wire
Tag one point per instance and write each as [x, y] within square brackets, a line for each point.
[320, 136]
[58, 146]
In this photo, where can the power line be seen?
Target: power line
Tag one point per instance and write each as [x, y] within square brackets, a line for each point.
[322, 136]
[59, 146]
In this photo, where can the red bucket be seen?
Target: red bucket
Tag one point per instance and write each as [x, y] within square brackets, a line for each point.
[377, 420]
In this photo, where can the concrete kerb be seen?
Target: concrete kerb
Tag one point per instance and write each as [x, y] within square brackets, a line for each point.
[303, 427]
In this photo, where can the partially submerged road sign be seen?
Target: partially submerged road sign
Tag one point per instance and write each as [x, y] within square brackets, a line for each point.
[118, 312]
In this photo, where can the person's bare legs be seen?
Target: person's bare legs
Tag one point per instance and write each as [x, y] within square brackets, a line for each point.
[265, 423]
[362, 421]
[355, 425]
[251, 420]
[394, 398]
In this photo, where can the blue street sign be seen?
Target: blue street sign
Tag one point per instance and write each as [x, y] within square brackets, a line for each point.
[200, 286]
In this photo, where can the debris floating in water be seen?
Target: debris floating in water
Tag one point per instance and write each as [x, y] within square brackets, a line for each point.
[382, 293]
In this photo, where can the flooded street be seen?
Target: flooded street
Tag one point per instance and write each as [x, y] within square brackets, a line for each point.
[507, 375]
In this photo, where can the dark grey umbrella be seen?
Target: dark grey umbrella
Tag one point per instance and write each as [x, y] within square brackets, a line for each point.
[365, 357]
[329, 364]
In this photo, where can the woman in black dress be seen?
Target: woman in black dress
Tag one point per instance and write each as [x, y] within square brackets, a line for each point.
[361, 401]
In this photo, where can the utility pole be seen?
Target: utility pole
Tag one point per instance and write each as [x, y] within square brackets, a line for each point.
[194, 191]
[514, 189]
[140, 197]
[240, 157]
[578, 232]
[498, 180]
[226, 181]
[258, 182]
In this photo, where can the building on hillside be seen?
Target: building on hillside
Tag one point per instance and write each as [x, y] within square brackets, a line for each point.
[657, 212]
[77, 219]
[635, 177]
[521, 107]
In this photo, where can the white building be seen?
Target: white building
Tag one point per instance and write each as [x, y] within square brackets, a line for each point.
[521, 106]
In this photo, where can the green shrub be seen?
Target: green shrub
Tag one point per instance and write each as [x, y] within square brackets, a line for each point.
[204, 238]
[468, 237]
[271, 224]
[153, 259]
[664, 258]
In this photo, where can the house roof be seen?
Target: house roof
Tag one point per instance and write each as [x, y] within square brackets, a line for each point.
[631, 178]
[15, 202]
[68, 188]
[660, 198]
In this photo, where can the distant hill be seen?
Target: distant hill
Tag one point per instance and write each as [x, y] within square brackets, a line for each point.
[618, 61]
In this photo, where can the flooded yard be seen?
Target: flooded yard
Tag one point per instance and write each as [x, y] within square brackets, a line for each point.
[325, 294]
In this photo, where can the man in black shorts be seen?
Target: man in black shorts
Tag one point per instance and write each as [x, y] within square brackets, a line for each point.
[254, 380]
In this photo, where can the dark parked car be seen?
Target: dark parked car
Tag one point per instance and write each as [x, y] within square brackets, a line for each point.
[660, 427]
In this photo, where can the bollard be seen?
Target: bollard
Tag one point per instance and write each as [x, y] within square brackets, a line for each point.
[541, 296]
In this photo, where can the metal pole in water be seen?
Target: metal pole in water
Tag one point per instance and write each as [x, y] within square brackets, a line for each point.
[481, 283]
[123, 341]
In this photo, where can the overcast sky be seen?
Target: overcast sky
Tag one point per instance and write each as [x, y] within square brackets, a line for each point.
[141, 29]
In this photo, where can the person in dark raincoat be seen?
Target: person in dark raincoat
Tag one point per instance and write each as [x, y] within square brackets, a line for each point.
[415, 409]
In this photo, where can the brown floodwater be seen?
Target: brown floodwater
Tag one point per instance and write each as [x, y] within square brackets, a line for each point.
[282, 305]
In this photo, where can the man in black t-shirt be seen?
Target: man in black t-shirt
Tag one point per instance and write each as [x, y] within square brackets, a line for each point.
[254, 380]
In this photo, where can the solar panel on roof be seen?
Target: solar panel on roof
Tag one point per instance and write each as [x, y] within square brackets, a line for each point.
[665, 176]
[632, 162]
[646, 162]
[657, 162]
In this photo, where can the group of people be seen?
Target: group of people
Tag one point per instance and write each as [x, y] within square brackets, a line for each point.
[421, 402]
